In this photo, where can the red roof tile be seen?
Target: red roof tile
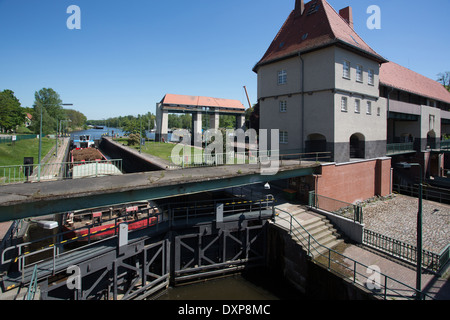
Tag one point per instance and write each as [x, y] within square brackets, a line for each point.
[306, 32]
[396, 76]
[198, 101]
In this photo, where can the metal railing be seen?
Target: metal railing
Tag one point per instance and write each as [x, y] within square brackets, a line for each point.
[202, 159]
[341, 208]
[386, 287]
[24, 257]
[32, 288]
[59, 171]
[20, 137]
[430, 261]
[393, 148]
[428, 192]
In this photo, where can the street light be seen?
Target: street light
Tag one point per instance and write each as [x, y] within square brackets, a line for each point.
[406, 165]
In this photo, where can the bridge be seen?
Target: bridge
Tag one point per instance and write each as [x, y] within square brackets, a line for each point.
[18, 201]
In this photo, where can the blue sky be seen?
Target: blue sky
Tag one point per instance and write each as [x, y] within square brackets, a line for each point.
[130, 53]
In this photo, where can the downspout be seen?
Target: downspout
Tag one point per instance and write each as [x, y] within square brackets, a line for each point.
[302, 133]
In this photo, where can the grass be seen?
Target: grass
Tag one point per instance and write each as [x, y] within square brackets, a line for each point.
[13, 154]
[158, 149]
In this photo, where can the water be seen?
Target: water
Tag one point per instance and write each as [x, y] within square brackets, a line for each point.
[257, 284]
[97, 134]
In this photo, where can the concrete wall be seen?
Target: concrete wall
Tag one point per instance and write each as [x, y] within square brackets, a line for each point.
[355, 181]
[286, 258]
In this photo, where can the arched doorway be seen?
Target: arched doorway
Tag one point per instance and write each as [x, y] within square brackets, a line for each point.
[357, 146]
[431, 139]
[316, 143]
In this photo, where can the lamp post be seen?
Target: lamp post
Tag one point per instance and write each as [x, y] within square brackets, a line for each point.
[406, 165]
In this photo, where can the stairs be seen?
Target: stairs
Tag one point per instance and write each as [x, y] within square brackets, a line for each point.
[317, 226]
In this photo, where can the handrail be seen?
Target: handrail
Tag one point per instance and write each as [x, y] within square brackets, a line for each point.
[335, 265]
[33, 285]
[165, 214]
[430, 260]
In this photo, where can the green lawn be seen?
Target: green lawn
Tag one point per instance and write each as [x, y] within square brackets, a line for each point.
[13, 154]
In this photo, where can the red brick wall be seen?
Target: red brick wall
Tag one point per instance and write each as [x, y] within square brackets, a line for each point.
[355, 181]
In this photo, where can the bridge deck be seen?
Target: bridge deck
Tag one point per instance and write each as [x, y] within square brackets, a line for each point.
[37, 199]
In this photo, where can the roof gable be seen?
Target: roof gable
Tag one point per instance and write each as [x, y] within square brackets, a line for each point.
[319, 25]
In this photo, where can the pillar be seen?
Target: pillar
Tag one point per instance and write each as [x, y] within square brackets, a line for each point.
[162, 123]
[214, 121]
[197, 129]
[240, 121]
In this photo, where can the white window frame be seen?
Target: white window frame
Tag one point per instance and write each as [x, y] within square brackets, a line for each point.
[357, 106]
[346, 69]
[283, 137]
[344, 104]
[359, 73]
[283, 106]
[369, 107]
[282, 77]
[371, 77]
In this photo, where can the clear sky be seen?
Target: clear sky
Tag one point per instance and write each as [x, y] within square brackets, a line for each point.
[129, 53]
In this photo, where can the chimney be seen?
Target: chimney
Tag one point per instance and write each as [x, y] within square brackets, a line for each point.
[299, 7]
[347, 14]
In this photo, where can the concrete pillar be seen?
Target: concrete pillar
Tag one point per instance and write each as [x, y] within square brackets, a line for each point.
[240, 121]
[162, 123]
[214, 121]
[197, 129]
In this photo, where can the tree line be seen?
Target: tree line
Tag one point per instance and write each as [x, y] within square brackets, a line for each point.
[48, 103]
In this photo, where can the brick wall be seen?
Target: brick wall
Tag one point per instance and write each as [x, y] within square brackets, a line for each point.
[355, 181]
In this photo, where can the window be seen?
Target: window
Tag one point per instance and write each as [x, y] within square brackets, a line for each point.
[369, 107]
[283, 106]
[371, 77]
[344, 104]
[282, 77]
[346, 73]
[378, 111]
[283, 137]
[359, 73]
[357, 106]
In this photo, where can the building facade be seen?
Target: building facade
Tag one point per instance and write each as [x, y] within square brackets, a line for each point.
[326, 90]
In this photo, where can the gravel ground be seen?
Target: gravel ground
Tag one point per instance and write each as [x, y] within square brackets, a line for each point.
[397, 218]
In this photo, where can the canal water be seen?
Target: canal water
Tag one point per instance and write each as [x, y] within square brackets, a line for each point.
[256, 284]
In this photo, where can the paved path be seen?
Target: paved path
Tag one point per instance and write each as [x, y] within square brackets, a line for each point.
[51, 169]
[435, 286]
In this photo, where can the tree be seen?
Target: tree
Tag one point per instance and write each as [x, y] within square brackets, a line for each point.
[444, 78]
[49, 102]
[11, 113]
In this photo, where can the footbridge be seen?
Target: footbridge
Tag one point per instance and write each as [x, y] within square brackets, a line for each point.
[38, 199]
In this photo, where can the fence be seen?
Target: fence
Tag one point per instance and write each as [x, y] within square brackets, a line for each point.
[341, 208]
[204, 159]
[9, 139]
[386, 287]
[59, 171]
[393, 148]
[430, 261]
[428, 192]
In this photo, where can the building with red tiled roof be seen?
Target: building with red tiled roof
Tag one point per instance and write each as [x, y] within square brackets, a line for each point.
[318, 64]
[326, 90]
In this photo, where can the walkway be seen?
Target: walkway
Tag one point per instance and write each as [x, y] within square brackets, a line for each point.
[435, 286]
[51, 162]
